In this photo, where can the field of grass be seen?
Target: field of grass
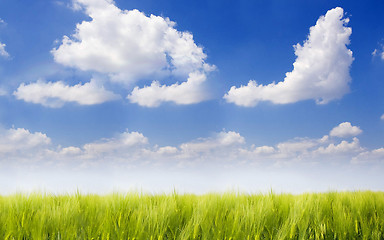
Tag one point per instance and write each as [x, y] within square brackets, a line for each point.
[349, 215]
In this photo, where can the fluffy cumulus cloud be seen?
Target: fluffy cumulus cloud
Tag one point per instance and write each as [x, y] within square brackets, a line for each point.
[373, 156]
[320, 72]
[342, 147]
[55, 94]
[129, 46]
[345, 129]
[226, 148]
[187, 92]
[21, 142]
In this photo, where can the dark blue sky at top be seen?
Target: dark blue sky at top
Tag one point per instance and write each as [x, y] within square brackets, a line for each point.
[244, 39]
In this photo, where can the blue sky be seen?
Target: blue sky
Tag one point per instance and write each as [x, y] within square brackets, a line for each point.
[95, 88]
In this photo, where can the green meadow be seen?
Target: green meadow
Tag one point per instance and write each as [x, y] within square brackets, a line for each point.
[333, 215]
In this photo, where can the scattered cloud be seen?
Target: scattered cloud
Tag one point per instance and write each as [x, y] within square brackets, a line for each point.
[123, 143]
[3, 52]
[343, 147]
[187, 92]
[21, 142]
[226, 148]
[218, 143]
[56, 94]
[379, 52]
[320, 72]
[376, 155]
[345, 129]
[382, 117]
[129, 46]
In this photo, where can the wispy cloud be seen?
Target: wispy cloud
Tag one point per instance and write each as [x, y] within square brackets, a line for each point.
[56, 94]
[3, 52]
[3, 92]
[379, 52]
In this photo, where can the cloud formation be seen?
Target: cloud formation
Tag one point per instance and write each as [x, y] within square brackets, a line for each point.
[55, 94]
[342, 147]
[379, 52]
[3, 52]
[373, 156]
[129, 46]
[223, 149]
[123, 143]
[21, 142]
[188, 92]
[345, 129]
[320, 72]
[219, 145]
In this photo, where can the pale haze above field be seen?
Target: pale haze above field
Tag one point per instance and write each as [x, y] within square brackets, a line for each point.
[197, 96]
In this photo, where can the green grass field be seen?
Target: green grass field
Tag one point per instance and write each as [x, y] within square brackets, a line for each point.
[349, 215]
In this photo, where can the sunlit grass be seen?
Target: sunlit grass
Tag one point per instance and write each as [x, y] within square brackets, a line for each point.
[344, 215]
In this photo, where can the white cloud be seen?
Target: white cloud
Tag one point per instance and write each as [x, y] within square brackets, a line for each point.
[168, 150]
[379, 52]
[129, 160]
[304, 150]
[376, 155]
[20, 141]
[226, 148]
[121, 144]
[296, 146]
[382, 117]
[343, 147]
[71, 151]
[133, 148]
[263, 150]
[345, 129]
[3, 52]
[56, 94]
[130, 46]
[187, 92]
[320, 72]
[221, 140]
